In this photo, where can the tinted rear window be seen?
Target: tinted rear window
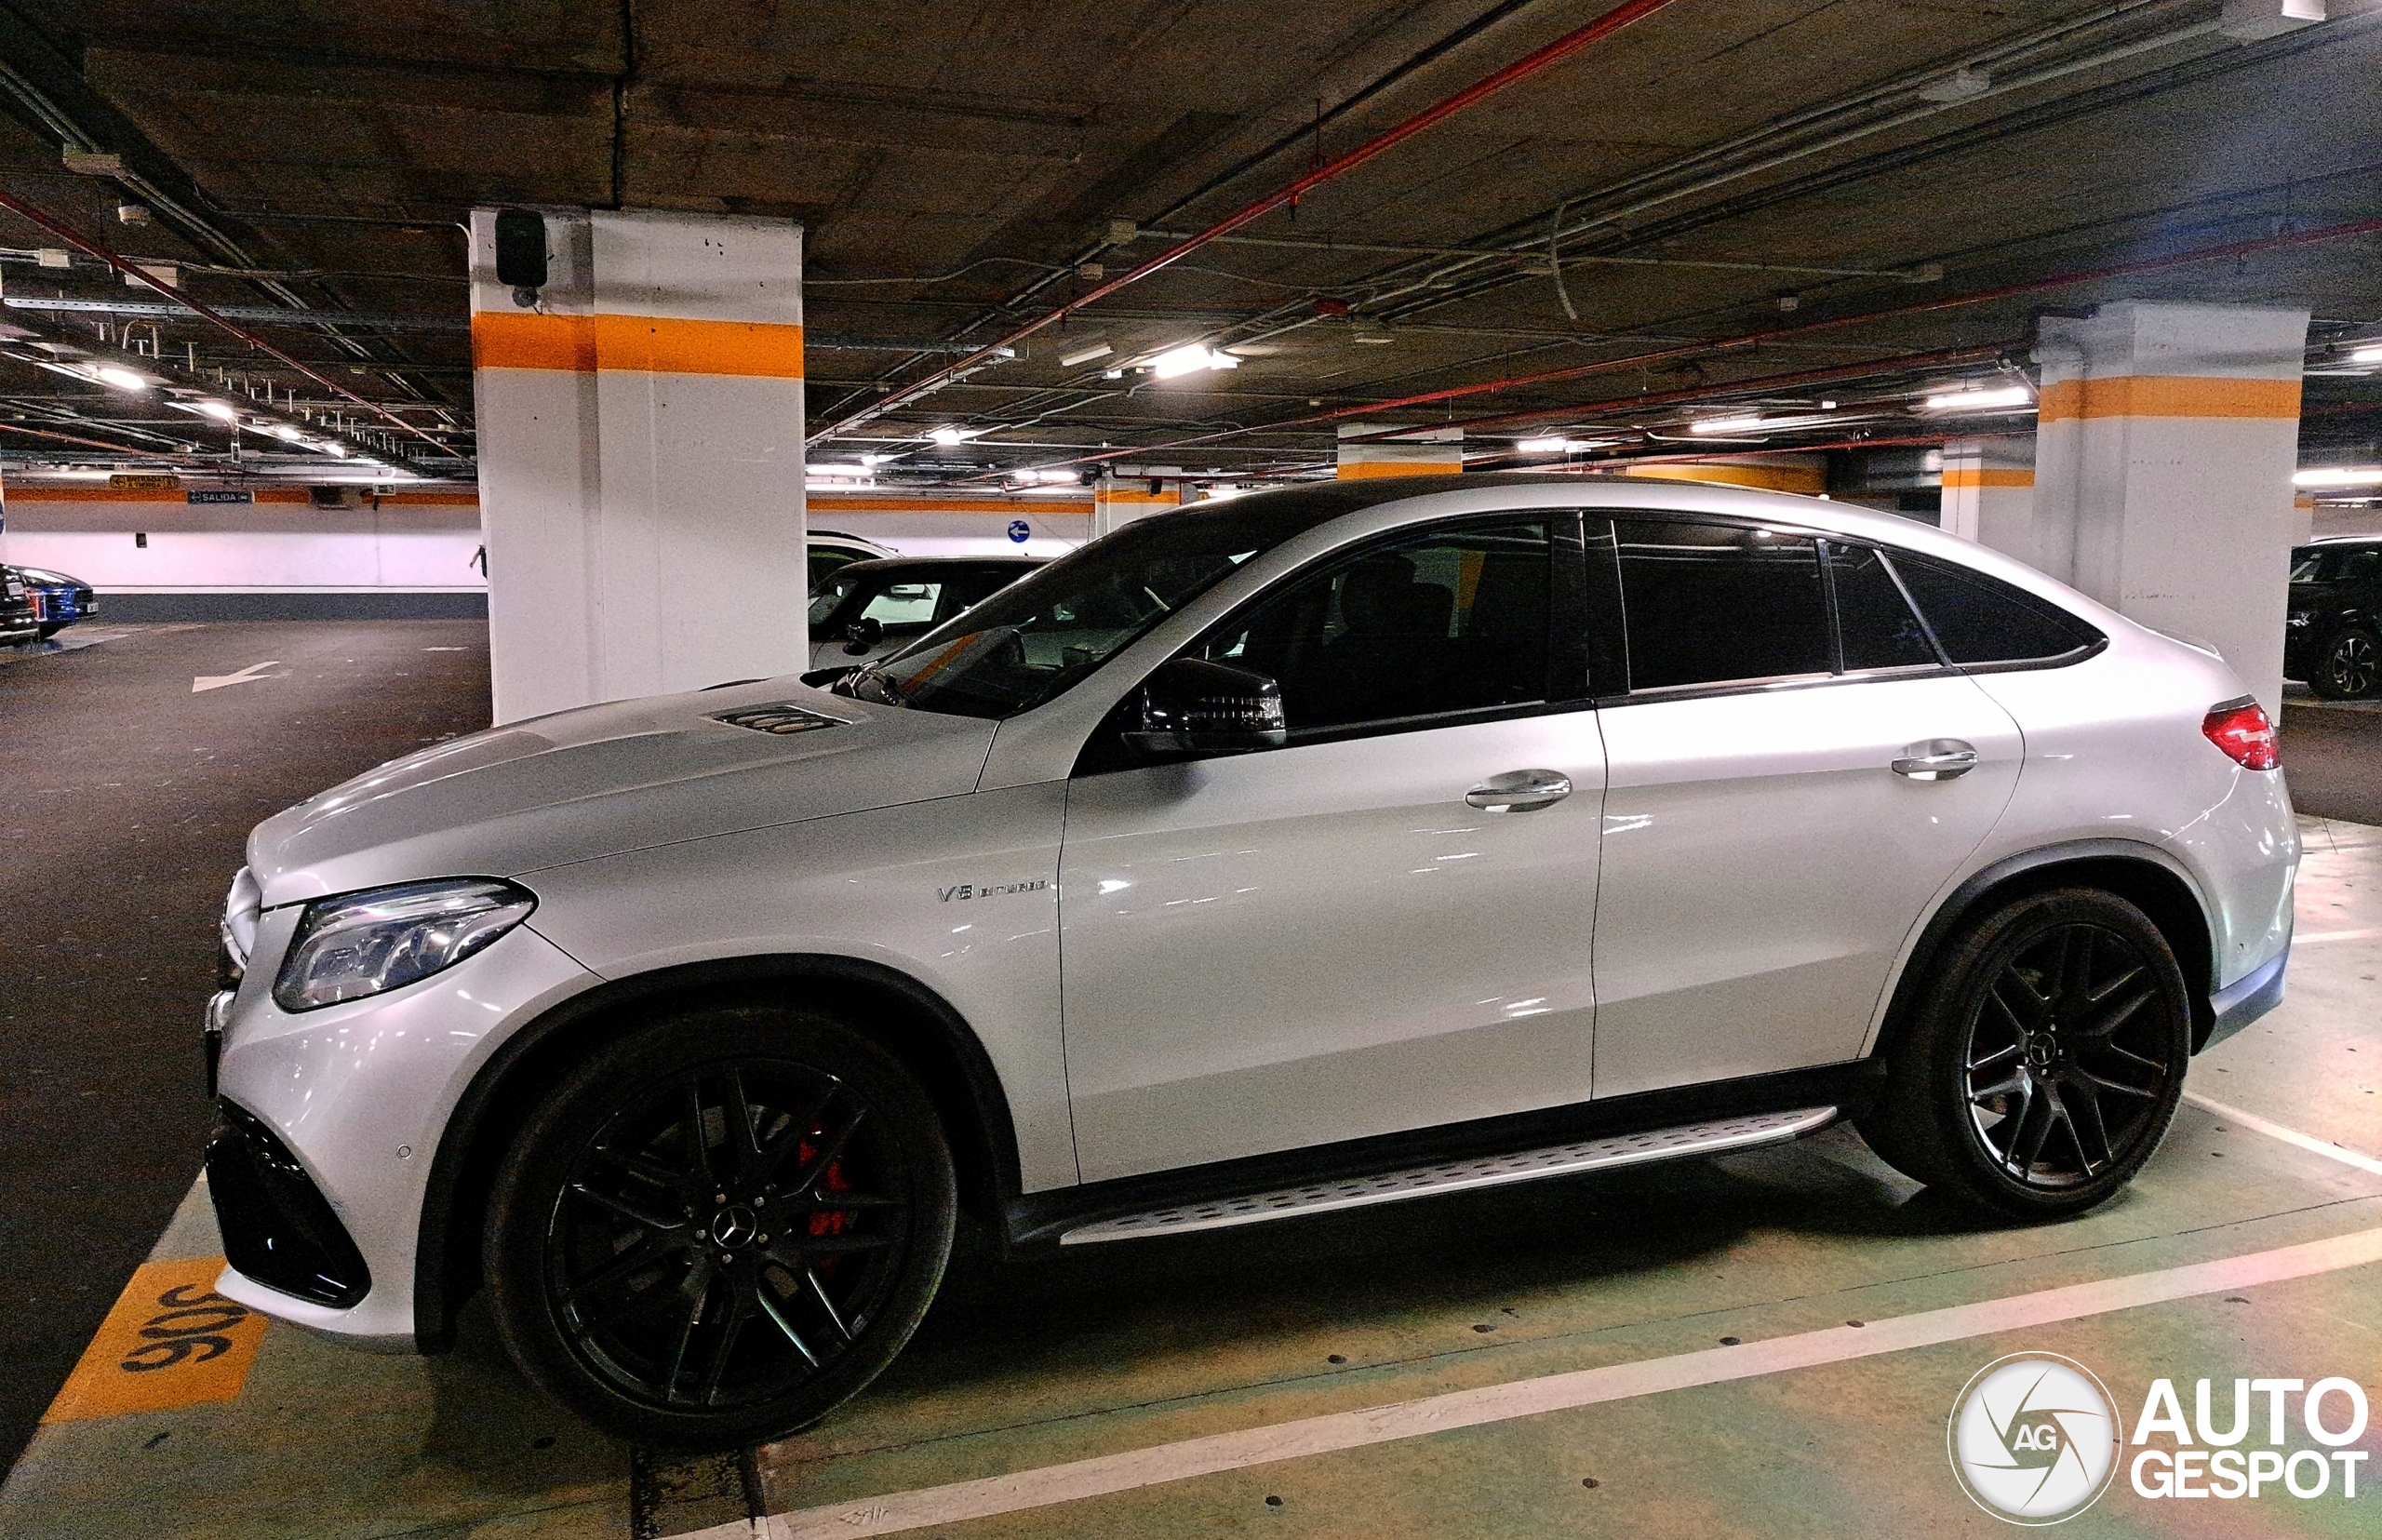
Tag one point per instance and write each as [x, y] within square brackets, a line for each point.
[1983, 620]
[1718, 604]
[1872, 617]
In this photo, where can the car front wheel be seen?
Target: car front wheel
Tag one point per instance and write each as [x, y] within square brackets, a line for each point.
[2350, 667]
[2045, 1060]
[721, 1227]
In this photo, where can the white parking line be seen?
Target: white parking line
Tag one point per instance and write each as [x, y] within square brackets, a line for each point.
[1020, 1491]
[2368, 935]
[248, 675]
[2289, 1136]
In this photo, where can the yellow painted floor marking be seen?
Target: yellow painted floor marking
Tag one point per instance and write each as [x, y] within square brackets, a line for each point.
[171, 1341]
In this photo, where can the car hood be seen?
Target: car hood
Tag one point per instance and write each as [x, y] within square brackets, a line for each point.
[605, 779]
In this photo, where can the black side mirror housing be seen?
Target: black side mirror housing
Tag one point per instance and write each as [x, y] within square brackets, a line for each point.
[1192, 706]
[862, 634]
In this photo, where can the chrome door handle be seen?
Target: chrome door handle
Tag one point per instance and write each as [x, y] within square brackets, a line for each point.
[1937, 759]
[1519, 791]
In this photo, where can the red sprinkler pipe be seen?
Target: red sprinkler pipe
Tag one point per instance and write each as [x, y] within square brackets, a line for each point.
[1561, 48]
[64, 232]
[1755, 339]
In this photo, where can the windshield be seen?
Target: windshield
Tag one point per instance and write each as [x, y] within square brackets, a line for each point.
[1032, 640]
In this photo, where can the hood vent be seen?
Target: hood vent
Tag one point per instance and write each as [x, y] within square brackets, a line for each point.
[779, 717]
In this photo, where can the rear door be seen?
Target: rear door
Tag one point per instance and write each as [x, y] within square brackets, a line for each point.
[1763, 856]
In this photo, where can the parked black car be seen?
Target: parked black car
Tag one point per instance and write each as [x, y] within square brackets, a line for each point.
[19, 620]
[58, 600]
[2334, 639]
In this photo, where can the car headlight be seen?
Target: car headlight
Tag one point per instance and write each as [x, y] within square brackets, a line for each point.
[363, 944]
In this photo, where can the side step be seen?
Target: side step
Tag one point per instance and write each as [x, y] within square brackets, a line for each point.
[1712, 1137]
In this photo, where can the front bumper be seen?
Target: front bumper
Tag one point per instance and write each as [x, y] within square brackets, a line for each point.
[336, 1118]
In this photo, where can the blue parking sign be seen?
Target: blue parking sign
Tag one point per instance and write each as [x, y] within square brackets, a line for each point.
[1018, 530]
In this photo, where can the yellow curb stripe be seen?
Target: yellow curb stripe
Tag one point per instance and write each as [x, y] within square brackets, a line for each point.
[653, 344]
[1960, 477]
[2167, 396]
[171, 1341]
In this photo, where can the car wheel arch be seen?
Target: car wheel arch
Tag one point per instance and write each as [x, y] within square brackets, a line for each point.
[921, 1029]
[2150, 878]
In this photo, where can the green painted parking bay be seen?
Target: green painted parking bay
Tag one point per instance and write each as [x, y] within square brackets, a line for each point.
[1665, 1351]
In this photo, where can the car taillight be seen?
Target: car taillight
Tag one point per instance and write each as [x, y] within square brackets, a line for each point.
[2241, 730]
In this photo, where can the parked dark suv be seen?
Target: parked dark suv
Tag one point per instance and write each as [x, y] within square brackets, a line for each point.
[2334, 639]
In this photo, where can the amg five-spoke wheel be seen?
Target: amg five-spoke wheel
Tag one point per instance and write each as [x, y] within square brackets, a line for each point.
[722, 1227]
[2044, 1061]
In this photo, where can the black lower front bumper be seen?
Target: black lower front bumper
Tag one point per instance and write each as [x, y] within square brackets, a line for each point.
[277, 1227]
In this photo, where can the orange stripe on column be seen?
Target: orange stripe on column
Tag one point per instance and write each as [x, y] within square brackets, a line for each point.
[1971, 476]
[2167, 396]
[1364, 470]
[526, 340]
[653, 344]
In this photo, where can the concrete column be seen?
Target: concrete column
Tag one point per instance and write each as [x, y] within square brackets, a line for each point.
[640, 442]
[1990, 493]
[1425, 451]
[2165, 446]
[1121, 500]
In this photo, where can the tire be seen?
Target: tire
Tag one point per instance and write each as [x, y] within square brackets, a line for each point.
[2349, 667]
[704, 1294]
[2045, 1060]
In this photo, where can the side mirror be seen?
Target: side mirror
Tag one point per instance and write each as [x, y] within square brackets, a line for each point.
[862, 634]
[1194, 706]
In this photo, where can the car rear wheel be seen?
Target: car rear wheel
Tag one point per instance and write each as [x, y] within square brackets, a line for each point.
[2045, 1060]
[2350, 667]
[721, 1227]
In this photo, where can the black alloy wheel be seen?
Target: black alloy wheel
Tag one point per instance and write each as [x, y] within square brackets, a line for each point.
[2046, 1060]
[2351, 667]
[721, 1228]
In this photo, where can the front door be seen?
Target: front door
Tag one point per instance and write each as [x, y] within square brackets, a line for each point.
[1764, 859]
[1366, 931]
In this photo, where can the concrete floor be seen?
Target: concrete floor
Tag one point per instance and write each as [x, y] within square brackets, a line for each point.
[1680, 1332]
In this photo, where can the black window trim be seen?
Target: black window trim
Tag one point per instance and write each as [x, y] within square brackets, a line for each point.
[2069, 659]
[1567, 591]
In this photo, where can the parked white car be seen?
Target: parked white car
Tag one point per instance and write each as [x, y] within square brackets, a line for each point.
[1368, 841]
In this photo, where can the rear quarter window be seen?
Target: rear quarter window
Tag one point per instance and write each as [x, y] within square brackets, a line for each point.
[1981, 620]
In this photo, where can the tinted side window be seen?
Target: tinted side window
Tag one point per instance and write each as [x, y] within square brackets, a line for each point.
[1983, 620]
[1456, 620]
[1872, 618]
[1713, 604]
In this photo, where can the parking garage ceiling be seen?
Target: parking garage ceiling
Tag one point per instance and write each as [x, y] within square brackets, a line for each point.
[1751, 208]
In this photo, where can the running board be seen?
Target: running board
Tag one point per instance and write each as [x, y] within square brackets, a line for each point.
[1713, 1136]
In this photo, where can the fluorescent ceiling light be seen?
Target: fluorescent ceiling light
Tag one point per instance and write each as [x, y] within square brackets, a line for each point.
[832, 470]
[283, 431]
[1726, 424]
[107, 374]
[223, 411]
[1981, 400]
[1544, 446]
[949, 434]
[339, 450]
[1051, 477]
[1084, 355]
[2340, 476]
[1190, 358]
[2370, 354]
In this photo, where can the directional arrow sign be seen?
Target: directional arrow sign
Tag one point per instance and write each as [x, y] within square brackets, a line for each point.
[216, 681]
